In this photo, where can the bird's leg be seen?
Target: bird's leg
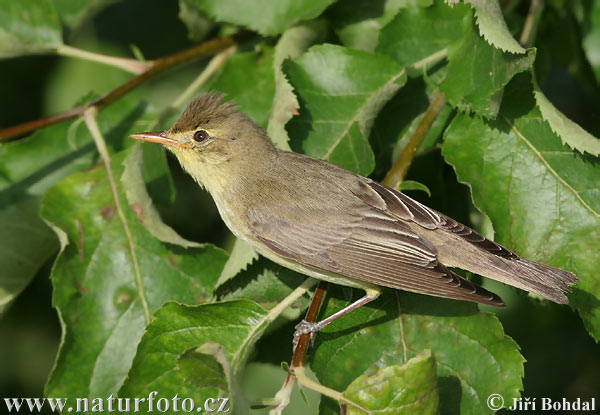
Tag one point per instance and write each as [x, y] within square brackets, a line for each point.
[304, 327]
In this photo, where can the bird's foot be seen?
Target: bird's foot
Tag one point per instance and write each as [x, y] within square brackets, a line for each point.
[305, 327]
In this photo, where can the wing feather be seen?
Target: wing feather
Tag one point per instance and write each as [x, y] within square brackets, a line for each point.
[366, 244]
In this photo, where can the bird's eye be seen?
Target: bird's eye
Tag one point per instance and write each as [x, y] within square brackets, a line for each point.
[200, 136]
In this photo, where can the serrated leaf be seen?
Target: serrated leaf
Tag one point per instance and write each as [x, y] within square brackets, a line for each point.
[248, 78]
[263, 16]
[28, 26]
[436, 27]
[477, 73]
[410, 388]
[234, 325]
[31, 165]
[102, 290]
[139, 200]
[340, 91]
[542, 198]
[475, 358]
[492, 26]
[569, 132]
[292, 44]
[241, 256]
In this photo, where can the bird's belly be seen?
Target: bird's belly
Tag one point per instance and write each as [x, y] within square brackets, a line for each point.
[312, 271]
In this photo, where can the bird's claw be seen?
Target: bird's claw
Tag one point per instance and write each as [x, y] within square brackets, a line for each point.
[305, 327]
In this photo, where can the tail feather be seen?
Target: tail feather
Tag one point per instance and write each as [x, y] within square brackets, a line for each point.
[547, 281]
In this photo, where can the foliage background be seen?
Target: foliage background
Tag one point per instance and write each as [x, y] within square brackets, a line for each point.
[562, 358]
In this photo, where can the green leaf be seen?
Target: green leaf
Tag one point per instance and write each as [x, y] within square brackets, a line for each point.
[162, 362]
[569, 132]
[29, 242]
[266, 283]
[110, 271]
[241, 256]
[340, 91]
[73, 12]
[478, 72]
[398, 120]
[249, 80]
[435, 28]
[292, 44]
[31, 165]
[140, 202]
[413, 185]
[263, 16]
[28, 26]
[358, 22]
[198, 24]
[542, 198]
[474, 356]
[591, 39]
[492, 25]
[398, 389]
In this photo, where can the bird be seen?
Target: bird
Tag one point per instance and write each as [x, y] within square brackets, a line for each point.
[329, 223]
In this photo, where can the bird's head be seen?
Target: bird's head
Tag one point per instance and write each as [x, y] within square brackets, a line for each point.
[212, 135]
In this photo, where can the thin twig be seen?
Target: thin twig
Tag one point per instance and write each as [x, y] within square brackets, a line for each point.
[129, 65]
[531, 23]
[158, 66]
[213, 66]
[299, 357]
[400, 167]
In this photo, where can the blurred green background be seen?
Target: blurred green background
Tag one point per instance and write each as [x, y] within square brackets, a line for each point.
[553, 340]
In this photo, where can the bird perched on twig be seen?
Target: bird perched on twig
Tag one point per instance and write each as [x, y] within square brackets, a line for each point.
[329, 223]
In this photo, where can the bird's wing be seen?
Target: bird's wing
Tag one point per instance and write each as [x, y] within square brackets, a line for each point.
[401, 206]
[358, 240]
[490, 258]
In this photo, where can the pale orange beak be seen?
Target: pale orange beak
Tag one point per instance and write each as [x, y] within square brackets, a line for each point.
[157, 137]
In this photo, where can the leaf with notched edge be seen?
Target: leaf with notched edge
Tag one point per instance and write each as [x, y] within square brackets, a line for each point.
[474, 357]
[478, 72]
[101, 290]
[28, 26]
[28, 167]
[340, 91]
[435, 27]
[542, 197]
[492, 25]
[164, 362]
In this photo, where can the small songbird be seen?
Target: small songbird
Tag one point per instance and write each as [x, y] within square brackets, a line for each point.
[329, 223]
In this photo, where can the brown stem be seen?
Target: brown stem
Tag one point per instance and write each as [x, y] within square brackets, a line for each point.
[299, 357]
[311, 316]
[531, 22]
[158, 66]
[400, 167]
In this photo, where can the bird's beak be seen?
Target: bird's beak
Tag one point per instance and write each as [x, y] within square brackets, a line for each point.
[158, 137]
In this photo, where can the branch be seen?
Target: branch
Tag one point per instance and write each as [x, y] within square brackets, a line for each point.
[531, 23]
[129, 65]
[400, 167]
[283, 395]
[156, 67]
